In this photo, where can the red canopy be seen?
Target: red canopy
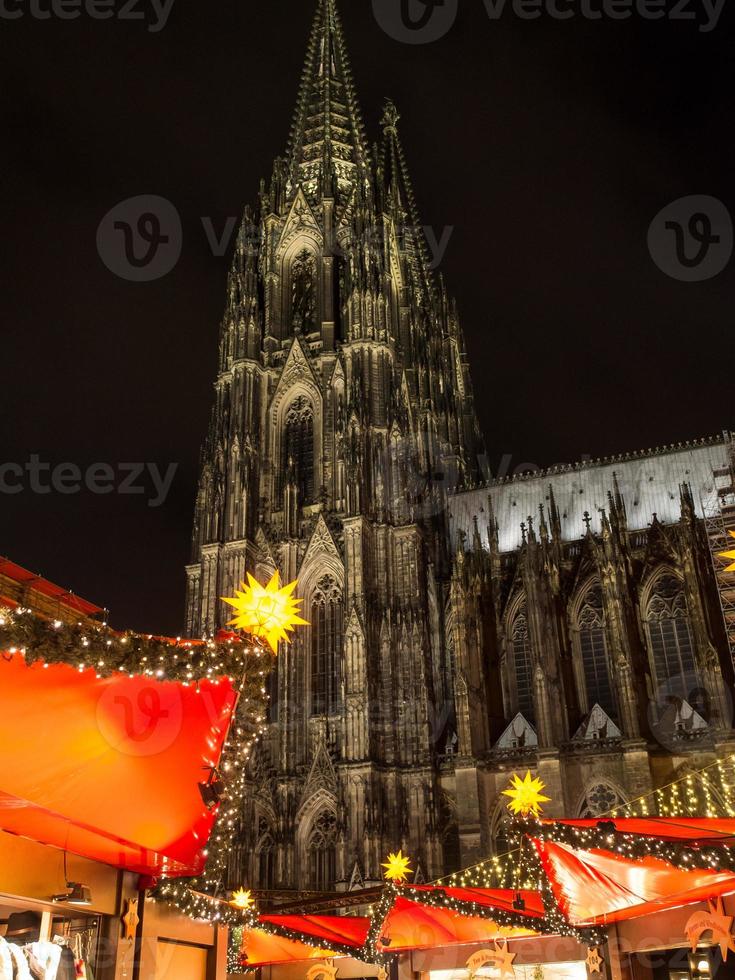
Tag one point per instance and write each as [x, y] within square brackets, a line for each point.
[109, 768]
[411, 925]
[592, 887]
[690, 830]
[408, 925]
[597, 886]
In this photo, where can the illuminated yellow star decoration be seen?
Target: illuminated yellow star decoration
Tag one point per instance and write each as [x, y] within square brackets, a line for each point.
[242, 899]
[268, 612]
[526, 796]
[397, 867]
[729, 555]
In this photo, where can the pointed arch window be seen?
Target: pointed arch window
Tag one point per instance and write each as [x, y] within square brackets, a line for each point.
[522, 665]
[265, 856]
[593, 655]
[670, 641]
[327, 628]
[304, 291]
[322, 852]
[298, 448]
[500, 831]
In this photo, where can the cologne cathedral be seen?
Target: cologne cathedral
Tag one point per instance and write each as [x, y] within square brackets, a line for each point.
[575, 623]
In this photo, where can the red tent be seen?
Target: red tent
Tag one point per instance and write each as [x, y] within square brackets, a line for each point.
[108, 768]
[593, 885]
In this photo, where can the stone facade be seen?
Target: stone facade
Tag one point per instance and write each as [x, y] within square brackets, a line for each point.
[588, 633]
[344, 451]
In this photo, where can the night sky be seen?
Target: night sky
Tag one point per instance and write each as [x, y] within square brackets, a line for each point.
[549, 146]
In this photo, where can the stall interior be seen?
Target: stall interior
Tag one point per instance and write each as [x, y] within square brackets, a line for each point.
[47, 942]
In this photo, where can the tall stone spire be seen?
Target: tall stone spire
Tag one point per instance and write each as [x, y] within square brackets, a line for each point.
[343, 417]
[328, 134]
[400, 200]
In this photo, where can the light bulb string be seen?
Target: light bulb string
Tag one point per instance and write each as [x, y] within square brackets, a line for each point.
[609, 813]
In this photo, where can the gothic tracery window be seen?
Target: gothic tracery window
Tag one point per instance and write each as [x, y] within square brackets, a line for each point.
[670, 642]
[522, 666]
[601, 800]
[594, 661]
[322, 852]
[327, 614]
[298, 448]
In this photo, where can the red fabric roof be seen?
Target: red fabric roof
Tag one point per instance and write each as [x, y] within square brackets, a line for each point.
[342, 929]
[410, 925]
[692, 830]
[592, 887]
[496, 898]
[109, 768]
[23, 577]
[597, 886]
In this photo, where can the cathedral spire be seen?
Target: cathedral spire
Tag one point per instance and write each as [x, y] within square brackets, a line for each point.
[400, 199]
[328, 134]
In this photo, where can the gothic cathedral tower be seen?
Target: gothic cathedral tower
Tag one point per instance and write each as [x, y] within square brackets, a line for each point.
[343, 411]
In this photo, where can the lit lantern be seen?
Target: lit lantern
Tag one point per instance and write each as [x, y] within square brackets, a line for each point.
[267, 612]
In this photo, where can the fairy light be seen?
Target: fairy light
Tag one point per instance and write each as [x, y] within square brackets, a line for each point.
[247, 665]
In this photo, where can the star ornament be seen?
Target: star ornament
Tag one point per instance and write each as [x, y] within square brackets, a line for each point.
[594, 960]
[267, 612]
[715, 922]
[397, 867]
[131, 919]
[504, 959]
[526, 796]
[729, 555]
[242, 899]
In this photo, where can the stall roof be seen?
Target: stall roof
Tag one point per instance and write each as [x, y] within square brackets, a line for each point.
[109, 768]
[592, 885]
[29, 580]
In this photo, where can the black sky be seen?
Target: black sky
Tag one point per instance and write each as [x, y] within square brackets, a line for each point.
[549, 147]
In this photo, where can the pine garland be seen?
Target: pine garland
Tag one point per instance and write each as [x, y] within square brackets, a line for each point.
[97, 647]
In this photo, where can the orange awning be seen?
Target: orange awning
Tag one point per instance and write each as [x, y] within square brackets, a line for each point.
[596, 886]
[411, 925]
[108, 768]
[264, 949]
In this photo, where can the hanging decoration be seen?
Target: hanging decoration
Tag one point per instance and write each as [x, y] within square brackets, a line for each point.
[322, 970]
[242, 899]
[729, 555]
[267, 612]
[526, 796]
[715, 922]
[498, 957]
[131, 919]
[594, 961]
[397, 868]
